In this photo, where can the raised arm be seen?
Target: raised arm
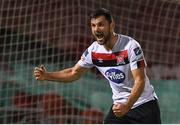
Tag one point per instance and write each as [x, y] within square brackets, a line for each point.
[66, 75]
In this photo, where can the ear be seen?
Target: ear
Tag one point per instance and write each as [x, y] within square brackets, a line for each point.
[112, 25]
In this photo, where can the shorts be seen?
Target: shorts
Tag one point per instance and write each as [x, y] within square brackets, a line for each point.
[147, 113]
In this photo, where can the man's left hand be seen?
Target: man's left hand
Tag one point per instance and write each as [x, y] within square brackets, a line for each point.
[120, 109]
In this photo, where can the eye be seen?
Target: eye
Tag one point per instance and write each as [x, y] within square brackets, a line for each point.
[93, 25]
[100, 24]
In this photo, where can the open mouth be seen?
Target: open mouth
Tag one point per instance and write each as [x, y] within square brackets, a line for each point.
[99, 36]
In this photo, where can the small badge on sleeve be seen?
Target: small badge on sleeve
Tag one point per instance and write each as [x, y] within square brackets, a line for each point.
[86, 52]
[137, 51]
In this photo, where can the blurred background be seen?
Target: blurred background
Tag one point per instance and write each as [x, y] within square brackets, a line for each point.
[56, 33]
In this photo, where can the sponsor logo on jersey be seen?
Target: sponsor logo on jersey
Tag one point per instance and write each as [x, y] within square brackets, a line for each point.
[100, 60]
[115, 75]
[137, 51]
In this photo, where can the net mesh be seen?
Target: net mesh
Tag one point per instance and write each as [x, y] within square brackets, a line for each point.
[56, 32]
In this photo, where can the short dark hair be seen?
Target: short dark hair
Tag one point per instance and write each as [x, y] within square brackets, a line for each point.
[102, 12]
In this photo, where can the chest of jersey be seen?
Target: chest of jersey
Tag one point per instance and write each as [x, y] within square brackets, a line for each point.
[110, 60]
[114, 66]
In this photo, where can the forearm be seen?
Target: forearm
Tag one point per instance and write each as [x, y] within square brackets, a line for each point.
[135, 93]
[121, 109]
[66, 75]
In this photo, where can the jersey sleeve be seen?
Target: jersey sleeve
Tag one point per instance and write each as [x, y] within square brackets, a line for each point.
[86, 59]
[136, 56]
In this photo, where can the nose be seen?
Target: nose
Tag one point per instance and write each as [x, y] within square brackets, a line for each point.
[96, 28]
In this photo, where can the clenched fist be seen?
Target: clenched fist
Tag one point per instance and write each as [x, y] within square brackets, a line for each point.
[120, 109]
[40, 72]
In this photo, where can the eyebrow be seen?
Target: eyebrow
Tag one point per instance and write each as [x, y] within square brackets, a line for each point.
[101, 21]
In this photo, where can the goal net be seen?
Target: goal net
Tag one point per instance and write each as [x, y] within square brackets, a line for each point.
[56, 32]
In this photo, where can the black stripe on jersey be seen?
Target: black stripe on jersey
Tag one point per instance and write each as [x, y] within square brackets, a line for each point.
[109, 63]
[140, 63]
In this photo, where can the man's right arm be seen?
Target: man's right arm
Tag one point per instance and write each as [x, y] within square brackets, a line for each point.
[66, 75]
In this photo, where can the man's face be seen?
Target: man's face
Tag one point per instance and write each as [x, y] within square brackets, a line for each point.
[101, 29]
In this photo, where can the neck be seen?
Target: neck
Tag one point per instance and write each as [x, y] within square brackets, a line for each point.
[110, 44]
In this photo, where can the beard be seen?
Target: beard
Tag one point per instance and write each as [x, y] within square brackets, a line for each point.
[102, 38]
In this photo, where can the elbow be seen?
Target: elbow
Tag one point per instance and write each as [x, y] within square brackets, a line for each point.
[75, 75]
[141, 84]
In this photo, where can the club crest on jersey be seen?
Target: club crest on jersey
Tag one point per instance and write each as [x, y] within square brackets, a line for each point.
[120, 60]
[115, 75]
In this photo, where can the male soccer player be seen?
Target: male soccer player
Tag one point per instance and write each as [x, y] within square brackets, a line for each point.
[121, 61]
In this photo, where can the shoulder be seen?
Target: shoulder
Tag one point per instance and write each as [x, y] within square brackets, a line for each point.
[128, 39]
[93, 46]
[131, 42]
